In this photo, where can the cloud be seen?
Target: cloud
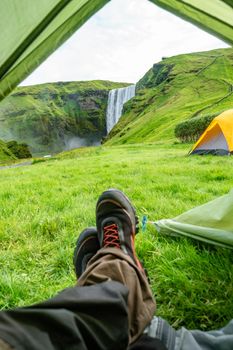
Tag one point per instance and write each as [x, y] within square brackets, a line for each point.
[121, 42]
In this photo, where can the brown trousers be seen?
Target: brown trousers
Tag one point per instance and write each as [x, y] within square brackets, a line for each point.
[4, 346]
[113, 264]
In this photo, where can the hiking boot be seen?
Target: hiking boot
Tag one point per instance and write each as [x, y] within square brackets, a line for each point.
[87, 246]
[117, 222]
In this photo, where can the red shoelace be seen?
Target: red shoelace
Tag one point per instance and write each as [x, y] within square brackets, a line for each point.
[111, 238]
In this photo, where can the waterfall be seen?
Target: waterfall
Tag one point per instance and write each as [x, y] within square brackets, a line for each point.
[116, 100]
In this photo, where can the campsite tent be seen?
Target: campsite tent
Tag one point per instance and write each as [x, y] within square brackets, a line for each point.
[211, 222]
[218, 137]
[31, 30]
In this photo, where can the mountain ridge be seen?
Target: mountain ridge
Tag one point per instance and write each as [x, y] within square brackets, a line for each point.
[173, 90]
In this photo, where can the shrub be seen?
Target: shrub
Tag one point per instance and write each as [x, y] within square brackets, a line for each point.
[20, 150]
[191, 129]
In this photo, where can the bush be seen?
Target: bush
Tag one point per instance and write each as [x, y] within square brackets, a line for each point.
[20, 150]
[190, 130]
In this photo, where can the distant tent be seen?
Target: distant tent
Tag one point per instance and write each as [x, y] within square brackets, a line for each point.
[211, 222]
[31, 30]
[218, 137]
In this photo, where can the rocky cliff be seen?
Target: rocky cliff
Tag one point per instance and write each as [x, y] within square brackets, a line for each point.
[56, 116]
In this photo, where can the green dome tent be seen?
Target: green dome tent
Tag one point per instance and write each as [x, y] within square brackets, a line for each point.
[211, 222]
[31, 30]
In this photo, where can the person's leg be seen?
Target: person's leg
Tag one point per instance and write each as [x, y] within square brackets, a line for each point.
[158, 334]
[117, 261]
[112, 264]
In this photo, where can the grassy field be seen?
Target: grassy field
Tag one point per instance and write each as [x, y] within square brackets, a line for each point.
[45, 206]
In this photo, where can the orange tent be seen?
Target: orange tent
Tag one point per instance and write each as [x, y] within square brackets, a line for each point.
[218, 137]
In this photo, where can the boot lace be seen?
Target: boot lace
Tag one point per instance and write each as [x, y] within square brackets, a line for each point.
[111, 238]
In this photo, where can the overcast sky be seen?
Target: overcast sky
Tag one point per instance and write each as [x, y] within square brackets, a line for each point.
[120, 43]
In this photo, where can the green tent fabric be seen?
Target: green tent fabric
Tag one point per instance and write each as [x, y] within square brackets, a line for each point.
[211, 222]
[214, 16]
[31, 30]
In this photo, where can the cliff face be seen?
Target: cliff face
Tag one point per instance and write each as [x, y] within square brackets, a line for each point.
[57, 116]
[173, 90]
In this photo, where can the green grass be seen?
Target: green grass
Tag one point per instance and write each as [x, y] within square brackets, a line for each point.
[45, 206]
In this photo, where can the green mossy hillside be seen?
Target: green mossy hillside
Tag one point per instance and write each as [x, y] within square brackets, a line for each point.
[5, 154]
[174, 90]
[48, 116]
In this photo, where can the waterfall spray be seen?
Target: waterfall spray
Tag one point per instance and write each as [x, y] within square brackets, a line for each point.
[116, 100]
